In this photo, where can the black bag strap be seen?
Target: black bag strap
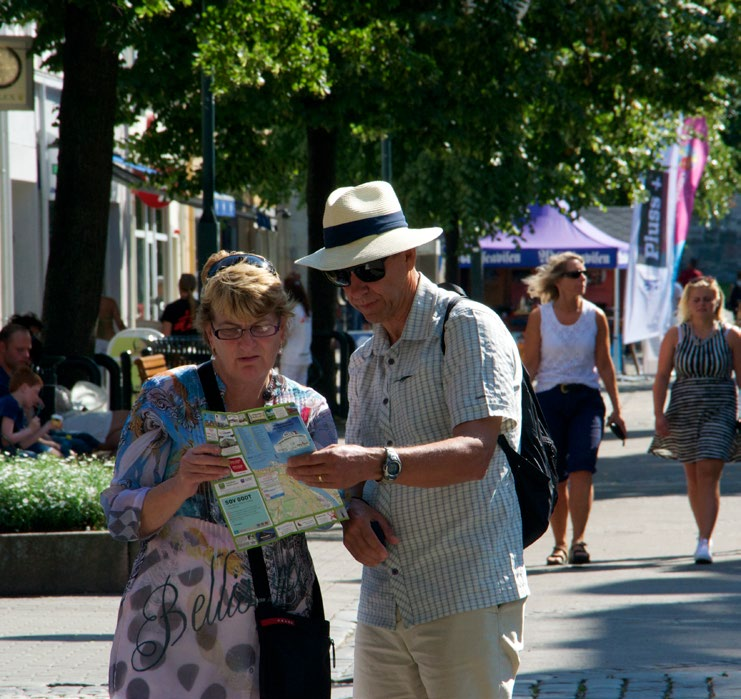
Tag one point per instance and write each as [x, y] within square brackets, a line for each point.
[525, 386]
[452, 303]
[255, 556]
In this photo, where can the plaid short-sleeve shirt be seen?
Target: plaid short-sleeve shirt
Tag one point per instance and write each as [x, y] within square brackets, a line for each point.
[460, 545]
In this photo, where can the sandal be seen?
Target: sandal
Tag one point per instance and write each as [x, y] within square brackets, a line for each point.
[579, 554]
[558, 557]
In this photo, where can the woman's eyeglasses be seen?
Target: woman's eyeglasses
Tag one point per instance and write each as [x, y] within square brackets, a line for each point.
[240, 257]
[372, 271]
[234, 332]
[575, 274]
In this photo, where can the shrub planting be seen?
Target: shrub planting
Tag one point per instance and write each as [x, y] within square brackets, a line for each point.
[50, 494]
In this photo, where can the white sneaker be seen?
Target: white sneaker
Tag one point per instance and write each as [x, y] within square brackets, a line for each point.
[704, 551]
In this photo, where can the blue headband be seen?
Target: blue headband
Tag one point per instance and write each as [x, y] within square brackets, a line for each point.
[345, 233]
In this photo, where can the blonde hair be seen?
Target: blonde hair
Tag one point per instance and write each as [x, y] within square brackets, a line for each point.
[683, 308]
[240, 291]
[542, 283]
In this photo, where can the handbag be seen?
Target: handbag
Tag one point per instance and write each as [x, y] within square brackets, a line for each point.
[533, 466]
[294, 649]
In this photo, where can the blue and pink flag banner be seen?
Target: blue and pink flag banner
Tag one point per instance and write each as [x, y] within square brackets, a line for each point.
[648, 294]
[693, 146]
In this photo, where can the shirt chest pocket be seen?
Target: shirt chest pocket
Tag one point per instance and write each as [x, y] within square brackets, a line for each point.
[418, 383]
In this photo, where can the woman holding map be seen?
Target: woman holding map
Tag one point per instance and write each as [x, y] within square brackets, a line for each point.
[186, 626]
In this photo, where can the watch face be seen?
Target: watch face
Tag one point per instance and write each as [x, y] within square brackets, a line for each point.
[392, 467]
[10, 66]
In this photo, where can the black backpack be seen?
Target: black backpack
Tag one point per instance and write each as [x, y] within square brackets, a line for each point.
[534, 466]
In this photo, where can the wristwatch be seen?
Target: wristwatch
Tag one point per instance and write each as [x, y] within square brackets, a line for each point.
[391, 466]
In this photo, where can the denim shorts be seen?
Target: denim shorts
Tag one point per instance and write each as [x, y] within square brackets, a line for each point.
[575, 414]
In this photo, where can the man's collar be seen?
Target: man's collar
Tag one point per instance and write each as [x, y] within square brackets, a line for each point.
[417, 325]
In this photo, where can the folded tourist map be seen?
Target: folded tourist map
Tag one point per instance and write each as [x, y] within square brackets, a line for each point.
[260, 502]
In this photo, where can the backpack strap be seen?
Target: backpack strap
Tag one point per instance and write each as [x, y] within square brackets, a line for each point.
[452, 303]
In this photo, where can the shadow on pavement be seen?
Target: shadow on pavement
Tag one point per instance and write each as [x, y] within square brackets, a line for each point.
[645, 475]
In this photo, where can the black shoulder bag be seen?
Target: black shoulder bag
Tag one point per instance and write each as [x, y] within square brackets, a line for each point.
[294, 650]
[534, 465]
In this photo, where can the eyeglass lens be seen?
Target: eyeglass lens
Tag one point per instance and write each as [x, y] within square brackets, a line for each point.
[238, 258]
[234, 332]
[372, 271]
[576, 274]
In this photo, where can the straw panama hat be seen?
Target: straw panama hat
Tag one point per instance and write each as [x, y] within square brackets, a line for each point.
[362, 224]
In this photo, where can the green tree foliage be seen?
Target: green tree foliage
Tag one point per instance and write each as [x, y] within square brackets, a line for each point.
[486, 112]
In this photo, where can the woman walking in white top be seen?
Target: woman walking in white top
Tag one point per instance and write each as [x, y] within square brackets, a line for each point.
[567, 351]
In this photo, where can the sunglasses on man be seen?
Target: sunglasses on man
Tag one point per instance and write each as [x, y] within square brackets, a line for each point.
[372, 271]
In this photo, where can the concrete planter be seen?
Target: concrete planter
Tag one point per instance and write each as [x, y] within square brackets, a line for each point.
[64, 563]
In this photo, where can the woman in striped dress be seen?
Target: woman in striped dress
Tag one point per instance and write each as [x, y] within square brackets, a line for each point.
[699, 426]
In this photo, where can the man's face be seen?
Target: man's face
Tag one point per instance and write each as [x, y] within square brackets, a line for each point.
[16, 351]
[387, 298]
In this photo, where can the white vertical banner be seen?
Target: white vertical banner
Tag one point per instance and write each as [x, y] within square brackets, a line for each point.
[648, 297]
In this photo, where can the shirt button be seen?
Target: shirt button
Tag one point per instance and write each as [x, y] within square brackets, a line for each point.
[394, 571]
[391, 361]
[385, 401]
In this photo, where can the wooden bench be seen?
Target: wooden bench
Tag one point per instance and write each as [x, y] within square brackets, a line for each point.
[150, 365]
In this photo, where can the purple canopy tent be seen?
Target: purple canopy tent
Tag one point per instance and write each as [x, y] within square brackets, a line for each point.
[549, 231]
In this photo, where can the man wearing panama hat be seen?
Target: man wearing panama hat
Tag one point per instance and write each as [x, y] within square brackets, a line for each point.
[442, 599]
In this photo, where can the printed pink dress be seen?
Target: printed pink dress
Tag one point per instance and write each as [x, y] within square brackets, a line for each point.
[186, 625]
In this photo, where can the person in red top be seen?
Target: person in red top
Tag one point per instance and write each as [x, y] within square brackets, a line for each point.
[178, 316]
[689, 273]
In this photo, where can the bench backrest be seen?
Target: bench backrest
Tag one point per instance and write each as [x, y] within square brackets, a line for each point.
[150, 366]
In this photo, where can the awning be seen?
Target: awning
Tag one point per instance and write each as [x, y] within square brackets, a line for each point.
[135, 176]
[549, 231]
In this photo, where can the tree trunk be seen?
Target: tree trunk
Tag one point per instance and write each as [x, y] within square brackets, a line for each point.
[322, 161]
[74, 274]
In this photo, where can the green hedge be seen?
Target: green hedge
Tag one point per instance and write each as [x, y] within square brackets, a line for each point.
[49, 494]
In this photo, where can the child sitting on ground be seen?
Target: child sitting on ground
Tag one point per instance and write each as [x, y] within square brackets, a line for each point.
[19, 435]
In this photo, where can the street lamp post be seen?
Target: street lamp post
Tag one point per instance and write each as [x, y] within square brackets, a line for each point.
[208, 229]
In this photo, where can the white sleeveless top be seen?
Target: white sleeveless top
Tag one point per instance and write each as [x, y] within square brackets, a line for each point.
[567, 352]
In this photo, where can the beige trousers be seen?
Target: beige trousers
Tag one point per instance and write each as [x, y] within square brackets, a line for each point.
[472, 655]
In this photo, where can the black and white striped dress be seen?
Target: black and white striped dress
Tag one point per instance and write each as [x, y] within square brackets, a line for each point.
[702, 407]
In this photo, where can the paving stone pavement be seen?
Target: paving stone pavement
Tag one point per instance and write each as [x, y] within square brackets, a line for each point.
[640, 622]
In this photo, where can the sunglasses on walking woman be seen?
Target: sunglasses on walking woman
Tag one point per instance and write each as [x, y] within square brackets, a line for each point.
[372, 271]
